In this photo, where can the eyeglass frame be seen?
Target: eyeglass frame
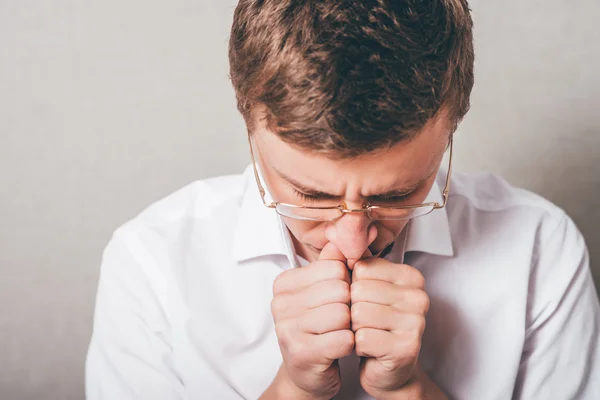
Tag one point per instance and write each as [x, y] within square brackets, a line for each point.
[365, 209]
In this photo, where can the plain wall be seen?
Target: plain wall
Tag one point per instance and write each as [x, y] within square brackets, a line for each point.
[107, 106]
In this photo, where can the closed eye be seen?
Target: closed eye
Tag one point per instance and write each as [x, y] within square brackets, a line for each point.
[312, 198]
[390, 200]
[374, 200]
[396, 198]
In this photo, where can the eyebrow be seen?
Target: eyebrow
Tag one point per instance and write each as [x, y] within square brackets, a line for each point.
[309, 191]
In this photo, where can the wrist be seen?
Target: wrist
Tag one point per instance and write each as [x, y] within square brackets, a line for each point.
[428, 388]
[283, 387]
[422, 387]
[419, 387]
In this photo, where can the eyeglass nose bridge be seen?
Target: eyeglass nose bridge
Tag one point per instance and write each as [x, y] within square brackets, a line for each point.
[365, 210]
[349, 210]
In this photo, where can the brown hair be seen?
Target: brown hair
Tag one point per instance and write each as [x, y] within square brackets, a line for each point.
[351, 77]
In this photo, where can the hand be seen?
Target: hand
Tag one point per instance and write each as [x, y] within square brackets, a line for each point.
[311, 311]
[389, 304]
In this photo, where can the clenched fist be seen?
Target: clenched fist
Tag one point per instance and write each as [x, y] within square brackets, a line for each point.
[322, 313]
[388, 310]
[311, 310]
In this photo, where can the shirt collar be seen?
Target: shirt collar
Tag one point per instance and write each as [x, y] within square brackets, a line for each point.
[260, 231]
[431, 233]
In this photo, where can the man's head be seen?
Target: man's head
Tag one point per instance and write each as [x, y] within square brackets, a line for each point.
[353, 99]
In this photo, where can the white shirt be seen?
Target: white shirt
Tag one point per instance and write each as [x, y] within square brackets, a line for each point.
[183, 306]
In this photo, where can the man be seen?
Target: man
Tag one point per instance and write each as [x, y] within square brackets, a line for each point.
[347, 261]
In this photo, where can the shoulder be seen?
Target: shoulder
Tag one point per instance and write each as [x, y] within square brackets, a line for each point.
[484, 209]
[163, 234]
[196, 201]
[489, 193]
[488, 197]
[521, 229]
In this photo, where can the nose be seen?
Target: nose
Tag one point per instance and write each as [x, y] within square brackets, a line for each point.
[352, 234]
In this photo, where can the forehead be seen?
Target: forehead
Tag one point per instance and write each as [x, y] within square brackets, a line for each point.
[402, 164]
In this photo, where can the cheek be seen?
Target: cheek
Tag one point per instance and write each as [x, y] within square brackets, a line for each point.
[394, 227]
[388, 231]
[307, 232]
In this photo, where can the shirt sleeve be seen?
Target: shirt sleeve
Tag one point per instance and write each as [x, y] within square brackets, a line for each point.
[130, 352]
[561, 356]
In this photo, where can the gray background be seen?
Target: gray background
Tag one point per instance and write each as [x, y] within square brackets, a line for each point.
[107, 106]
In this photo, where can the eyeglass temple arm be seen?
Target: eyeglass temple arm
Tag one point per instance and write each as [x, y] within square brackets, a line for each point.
[261, 189]
[446, 191]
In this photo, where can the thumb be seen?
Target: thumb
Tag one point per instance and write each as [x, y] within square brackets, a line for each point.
[366, 254]
[330, 252]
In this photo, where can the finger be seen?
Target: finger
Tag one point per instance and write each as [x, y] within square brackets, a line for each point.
[369, 342]
[288, 305]
[316, 351]
[403, 299]
[324, 319]
[376, 316]
[351, 263]
[330, 252]
[333, 345]
[387, 347]
[384, 270]
[322, 349]
[326, 292]
[297, 279]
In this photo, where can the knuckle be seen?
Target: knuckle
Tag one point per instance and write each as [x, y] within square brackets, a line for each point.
[412, 345]
[416, 277]
[419, 328]
[359, 269]
[278, 306]
[278, 283]
[280, 332]
[408, 349]
[415, 326]
[424, 302]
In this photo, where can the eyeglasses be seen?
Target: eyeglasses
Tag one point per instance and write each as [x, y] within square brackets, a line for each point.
[308, 213]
